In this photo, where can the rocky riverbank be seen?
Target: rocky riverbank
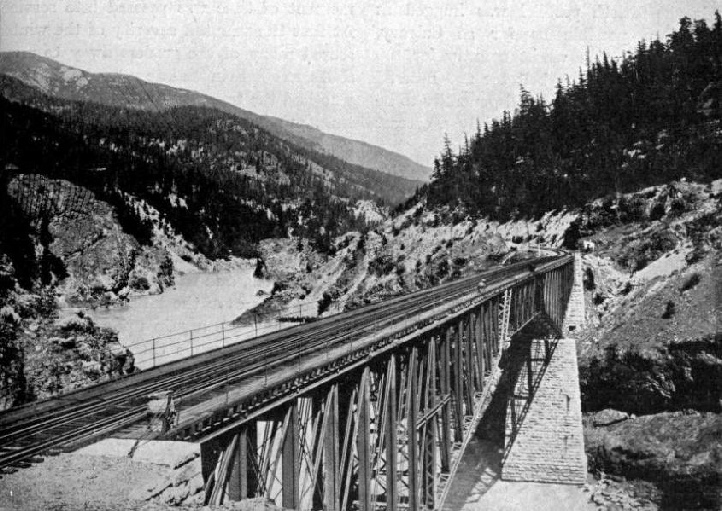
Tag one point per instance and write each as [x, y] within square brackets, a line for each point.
[651, 366]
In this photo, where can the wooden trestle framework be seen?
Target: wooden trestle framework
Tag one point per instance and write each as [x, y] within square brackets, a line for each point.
[389, 432]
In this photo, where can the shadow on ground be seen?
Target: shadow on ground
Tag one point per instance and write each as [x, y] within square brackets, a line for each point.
[477, 484]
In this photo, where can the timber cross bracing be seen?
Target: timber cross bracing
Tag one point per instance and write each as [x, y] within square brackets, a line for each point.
[382, 425]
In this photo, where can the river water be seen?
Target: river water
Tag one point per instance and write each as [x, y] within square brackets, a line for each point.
[197, 300]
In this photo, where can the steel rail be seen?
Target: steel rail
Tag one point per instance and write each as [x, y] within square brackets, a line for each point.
[224, 378]
[32, 432]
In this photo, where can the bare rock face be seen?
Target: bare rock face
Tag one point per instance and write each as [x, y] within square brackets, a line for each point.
[103, 263]
[70, 353]
[680, 452]
[92, 259]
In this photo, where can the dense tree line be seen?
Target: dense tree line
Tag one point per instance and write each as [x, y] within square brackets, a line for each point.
[650, 117]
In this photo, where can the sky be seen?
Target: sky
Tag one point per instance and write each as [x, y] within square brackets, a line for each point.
[399, 74]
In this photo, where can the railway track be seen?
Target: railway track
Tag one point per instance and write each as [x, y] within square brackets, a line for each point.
[54, 425]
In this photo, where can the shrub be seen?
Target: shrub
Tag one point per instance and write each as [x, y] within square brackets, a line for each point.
[571, 235]
[260, 270]
[139, 284]
[443, 268]
[460, 261]
[324, 303]
[278, 287]
[677, 207]
[669, 310]
[691, 282]
[657, 212]
[382, 265]
[637, 254]
[695, 255]
[589, 279]
[78, 323]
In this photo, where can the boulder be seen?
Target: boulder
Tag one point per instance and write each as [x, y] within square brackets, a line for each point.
[679, 452]
[75, 323]
[174, 494]
[115, 348]
[91, 366]
[608, 417]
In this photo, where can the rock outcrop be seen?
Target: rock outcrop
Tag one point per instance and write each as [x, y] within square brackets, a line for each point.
[679, 452]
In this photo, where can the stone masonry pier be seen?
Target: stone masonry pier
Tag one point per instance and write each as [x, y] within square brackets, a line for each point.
[544, 441]
[543, 435]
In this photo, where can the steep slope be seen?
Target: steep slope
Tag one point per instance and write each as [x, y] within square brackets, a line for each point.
[651, 360]
[417, 249]
[220, 181]
[651, 117]
[352, 151]
[651, 357]
[66, 82]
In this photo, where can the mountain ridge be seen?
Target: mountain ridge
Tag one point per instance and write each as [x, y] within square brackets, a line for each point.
[117, 89]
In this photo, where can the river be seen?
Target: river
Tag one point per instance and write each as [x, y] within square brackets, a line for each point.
[197, 300]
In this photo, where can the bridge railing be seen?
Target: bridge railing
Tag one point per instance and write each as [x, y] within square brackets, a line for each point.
[445, 351]
[160, 350]
[295, 363]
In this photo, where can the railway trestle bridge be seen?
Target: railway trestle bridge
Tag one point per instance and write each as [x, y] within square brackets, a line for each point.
[366, 409]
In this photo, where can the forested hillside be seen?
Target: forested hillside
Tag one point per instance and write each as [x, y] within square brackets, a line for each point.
[648, 118]
[65, 82]
[218, 179]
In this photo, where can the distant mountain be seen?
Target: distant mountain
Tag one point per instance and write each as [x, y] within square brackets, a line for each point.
[61, 81]
[216, 178]
[353, 151]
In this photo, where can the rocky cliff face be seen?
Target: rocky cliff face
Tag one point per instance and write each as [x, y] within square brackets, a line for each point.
[416, 250]
[74, 253]
[679, 452]
[652, 357]
[94, 262]
[651, 366]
